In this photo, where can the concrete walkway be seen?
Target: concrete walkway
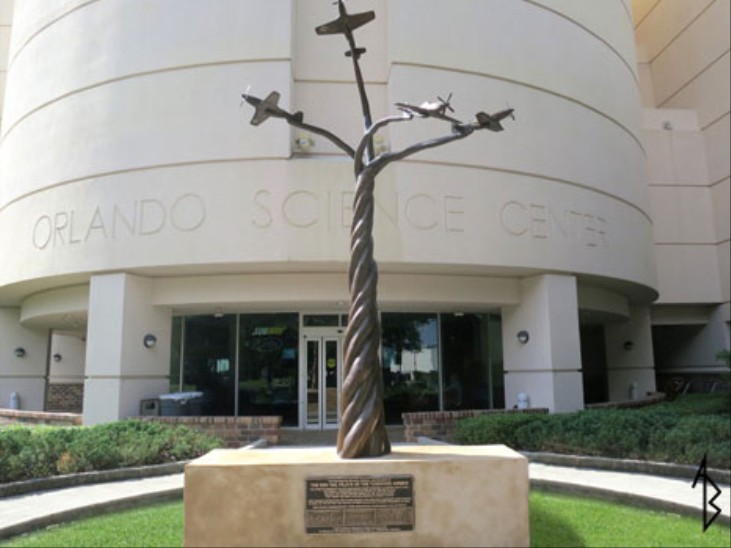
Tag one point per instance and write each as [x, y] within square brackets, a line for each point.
[22, 513]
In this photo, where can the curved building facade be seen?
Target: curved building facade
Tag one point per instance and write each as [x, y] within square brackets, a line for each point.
[136, 199]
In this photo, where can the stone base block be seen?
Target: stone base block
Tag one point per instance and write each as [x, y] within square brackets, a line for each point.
[419, 495]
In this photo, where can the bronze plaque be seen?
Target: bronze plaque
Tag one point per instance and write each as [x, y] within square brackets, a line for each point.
[359, 504]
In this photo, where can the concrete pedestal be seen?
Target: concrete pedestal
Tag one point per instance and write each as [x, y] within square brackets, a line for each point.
[439, 495]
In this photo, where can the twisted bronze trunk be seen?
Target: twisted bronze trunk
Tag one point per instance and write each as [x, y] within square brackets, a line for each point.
[362, 431]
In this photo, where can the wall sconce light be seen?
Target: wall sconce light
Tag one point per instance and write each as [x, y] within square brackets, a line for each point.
[19, 352]
[304, 143]
[149, 341]
[628, 345]
[380, 145]
[523, 337]
[57, 357]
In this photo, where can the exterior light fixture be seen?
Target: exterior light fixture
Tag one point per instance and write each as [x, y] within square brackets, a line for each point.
[380, 145]
[57, 357]
[628, 345]
[19, 352]
[523, 337]
[304, 143]
[149, 341]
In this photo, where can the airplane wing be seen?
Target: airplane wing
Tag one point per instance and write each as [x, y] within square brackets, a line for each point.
[333, 27]
[262, 109]
[504, 114]
[492, 121]
[342, 25]
[360, 19]
[272, 99]
[483, 118]
[411, 109]
[446, 118]
[487, 121]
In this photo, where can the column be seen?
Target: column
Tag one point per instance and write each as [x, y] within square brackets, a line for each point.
[120, 369]
[547, 368]
[65, 392]
[23, 362]
[630, 363]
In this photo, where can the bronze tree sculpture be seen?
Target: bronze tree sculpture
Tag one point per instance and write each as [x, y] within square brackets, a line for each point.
[362, 431]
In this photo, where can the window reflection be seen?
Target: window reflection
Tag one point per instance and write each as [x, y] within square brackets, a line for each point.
[472, 361]
[210, 352]
[175, 353]
[268, 366]
[470, 357]
[410, 365]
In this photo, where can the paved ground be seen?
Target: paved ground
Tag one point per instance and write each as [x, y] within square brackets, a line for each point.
[26, 512]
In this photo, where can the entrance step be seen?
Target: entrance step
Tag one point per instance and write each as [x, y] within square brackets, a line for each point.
[328, 437]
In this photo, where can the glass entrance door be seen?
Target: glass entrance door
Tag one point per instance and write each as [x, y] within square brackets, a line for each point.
[322, 368]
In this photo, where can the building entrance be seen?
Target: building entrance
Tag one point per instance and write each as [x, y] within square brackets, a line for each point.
[321, 376]
[290, 364]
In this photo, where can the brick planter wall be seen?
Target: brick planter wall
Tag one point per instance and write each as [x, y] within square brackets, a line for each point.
[39, 417]
[234, 431]
[67, 398]
[439, 425]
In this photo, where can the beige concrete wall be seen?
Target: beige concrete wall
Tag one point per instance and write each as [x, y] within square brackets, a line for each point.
[149, 163]
[548, 367]
[25, 375]
[69, 369]
[684, 55]
[120, 371]
[6, 24]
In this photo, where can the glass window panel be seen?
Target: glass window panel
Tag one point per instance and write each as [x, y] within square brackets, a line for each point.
[176, 340]
[593, 363]
[320, 320]
[331, 381]
[470, 354]
[313, 382]
[495, 346]
[409, 359]
[268, 351]
[210, 352]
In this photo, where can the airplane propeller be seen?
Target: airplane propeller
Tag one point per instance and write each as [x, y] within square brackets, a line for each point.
[446, 103]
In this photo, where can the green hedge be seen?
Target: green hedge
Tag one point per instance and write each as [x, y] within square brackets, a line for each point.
[39, 451]
[681, 431]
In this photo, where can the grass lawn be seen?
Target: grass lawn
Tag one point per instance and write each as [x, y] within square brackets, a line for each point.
[556, 520]
[561, 520]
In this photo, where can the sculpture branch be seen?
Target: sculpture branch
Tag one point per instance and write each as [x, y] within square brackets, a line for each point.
[334, 139]
[365, 104]
[368, 138]
[460, 132]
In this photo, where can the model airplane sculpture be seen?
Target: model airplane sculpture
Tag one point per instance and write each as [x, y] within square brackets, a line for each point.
[430, 109]
[346, 24]
[492, 121]
[362, 431]
[269, 107]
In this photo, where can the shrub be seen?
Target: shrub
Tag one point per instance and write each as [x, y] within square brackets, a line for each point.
[691, 438]
[491, 429]
[610, 433]
[715, 403]
[40, 451]
[681, 431]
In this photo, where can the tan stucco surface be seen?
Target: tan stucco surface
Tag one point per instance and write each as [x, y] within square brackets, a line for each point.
[463, 496]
